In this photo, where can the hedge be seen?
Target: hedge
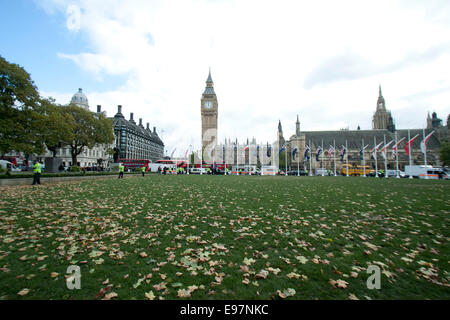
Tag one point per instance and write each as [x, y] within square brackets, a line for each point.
[65, 174]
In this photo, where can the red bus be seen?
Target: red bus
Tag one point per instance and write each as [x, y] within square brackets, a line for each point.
[220, 166]
[132, 164]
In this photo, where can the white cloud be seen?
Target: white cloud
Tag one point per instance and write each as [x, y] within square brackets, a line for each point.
[269, 61]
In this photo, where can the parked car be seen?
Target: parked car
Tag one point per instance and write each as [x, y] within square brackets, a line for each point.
[393, 173]
[197, 170]
[294, 173]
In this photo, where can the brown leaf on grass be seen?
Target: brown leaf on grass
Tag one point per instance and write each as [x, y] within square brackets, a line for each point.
[289, 292]
[342, 284]
[54, 274]
[23, 292]
[352, 297]
[150, 295]
[143, 254]
[160, 286]
[102, 292]
[183, 293]
[262, 274]
[109, 296]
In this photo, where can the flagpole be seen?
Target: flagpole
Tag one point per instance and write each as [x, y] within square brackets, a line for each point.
[410, 149]
[375, 152]
[188, 160]
[201, 160]
[425, 153]
[364, 159]
[385, 158]
[396, 156]
[346, 151]
[310, 160]
[285, 159]
[321, 161]
[334, 155]
[298, 163]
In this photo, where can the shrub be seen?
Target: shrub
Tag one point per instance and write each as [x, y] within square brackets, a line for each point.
[75, 169]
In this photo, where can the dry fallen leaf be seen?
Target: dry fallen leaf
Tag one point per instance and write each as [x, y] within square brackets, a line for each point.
[150, 295]
[109, 296]
[23, 292]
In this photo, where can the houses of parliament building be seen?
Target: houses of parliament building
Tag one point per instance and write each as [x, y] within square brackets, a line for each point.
[383, 129]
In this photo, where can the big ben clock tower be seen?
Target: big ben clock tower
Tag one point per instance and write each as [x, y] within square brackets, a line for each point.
[209, 112]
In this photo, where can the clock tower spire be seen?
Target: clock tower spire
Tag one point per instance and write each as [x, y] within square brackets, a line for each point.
[209, 113]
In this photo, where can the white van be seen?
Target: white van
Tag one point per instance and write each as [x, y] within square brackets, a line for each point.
[425, 172]
[4, 164]
[393, 173]
[269, 170]
[197, 171]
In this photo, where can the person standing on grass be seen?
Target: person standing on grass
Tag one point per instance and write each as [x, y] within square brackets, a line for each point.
[121, 170]
[143, 171]
[37, 173]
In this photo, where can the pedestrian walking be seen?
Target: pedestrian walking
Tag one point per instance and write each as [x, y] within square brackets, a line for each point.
[121, 170]
[143, 171]
[37, 173]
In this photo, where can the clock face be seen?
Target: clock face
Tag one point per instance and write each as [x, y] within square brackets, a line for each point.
[208, 104]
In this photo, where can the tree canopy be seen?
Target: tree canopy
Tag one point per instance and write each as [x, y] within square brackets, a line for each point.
[29, 123]
[444, 153]
[21, 114]
[87, 130]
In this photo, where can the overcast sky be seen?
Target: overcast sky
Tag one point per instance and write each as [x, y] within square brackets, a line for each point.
[269, 60]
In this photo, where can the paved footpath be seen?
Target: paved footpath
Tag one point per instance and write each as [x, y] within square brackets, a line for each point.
[48, 180]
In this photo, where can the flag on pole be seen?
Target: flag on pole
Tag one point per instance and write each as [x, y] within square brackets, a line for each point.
[394, 148]
[384, 150]
[318, 152]
[307, 153]
[343, 152]
[281, 149]
[374, 151]
[330, 151]
[409, 143]
[361, 152]
[423, 143]
[293, 153]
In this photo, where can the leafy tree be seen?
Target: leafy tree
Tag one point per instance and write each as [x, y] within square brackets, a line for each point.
[59, 125]
[88, 129]
[21, 117]
[444, 153]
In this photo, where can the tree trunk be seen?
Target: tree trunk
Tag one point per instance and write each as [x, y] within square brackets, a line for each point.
[73, 152]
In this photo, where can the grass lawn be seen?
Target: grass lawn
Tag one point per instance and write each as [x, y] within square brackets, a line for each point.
[216, 237]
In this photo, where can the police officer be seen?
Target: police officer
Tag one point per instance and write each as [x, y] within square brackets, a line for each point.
[121, 170]
[37, 172]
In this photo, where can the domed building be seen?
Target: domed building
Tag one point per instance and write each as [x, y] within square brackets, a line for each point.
[80, 99]
[96, 158]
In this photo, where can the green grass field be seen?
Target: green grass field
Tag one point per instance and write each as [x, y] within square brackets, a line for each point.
[216, 237]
